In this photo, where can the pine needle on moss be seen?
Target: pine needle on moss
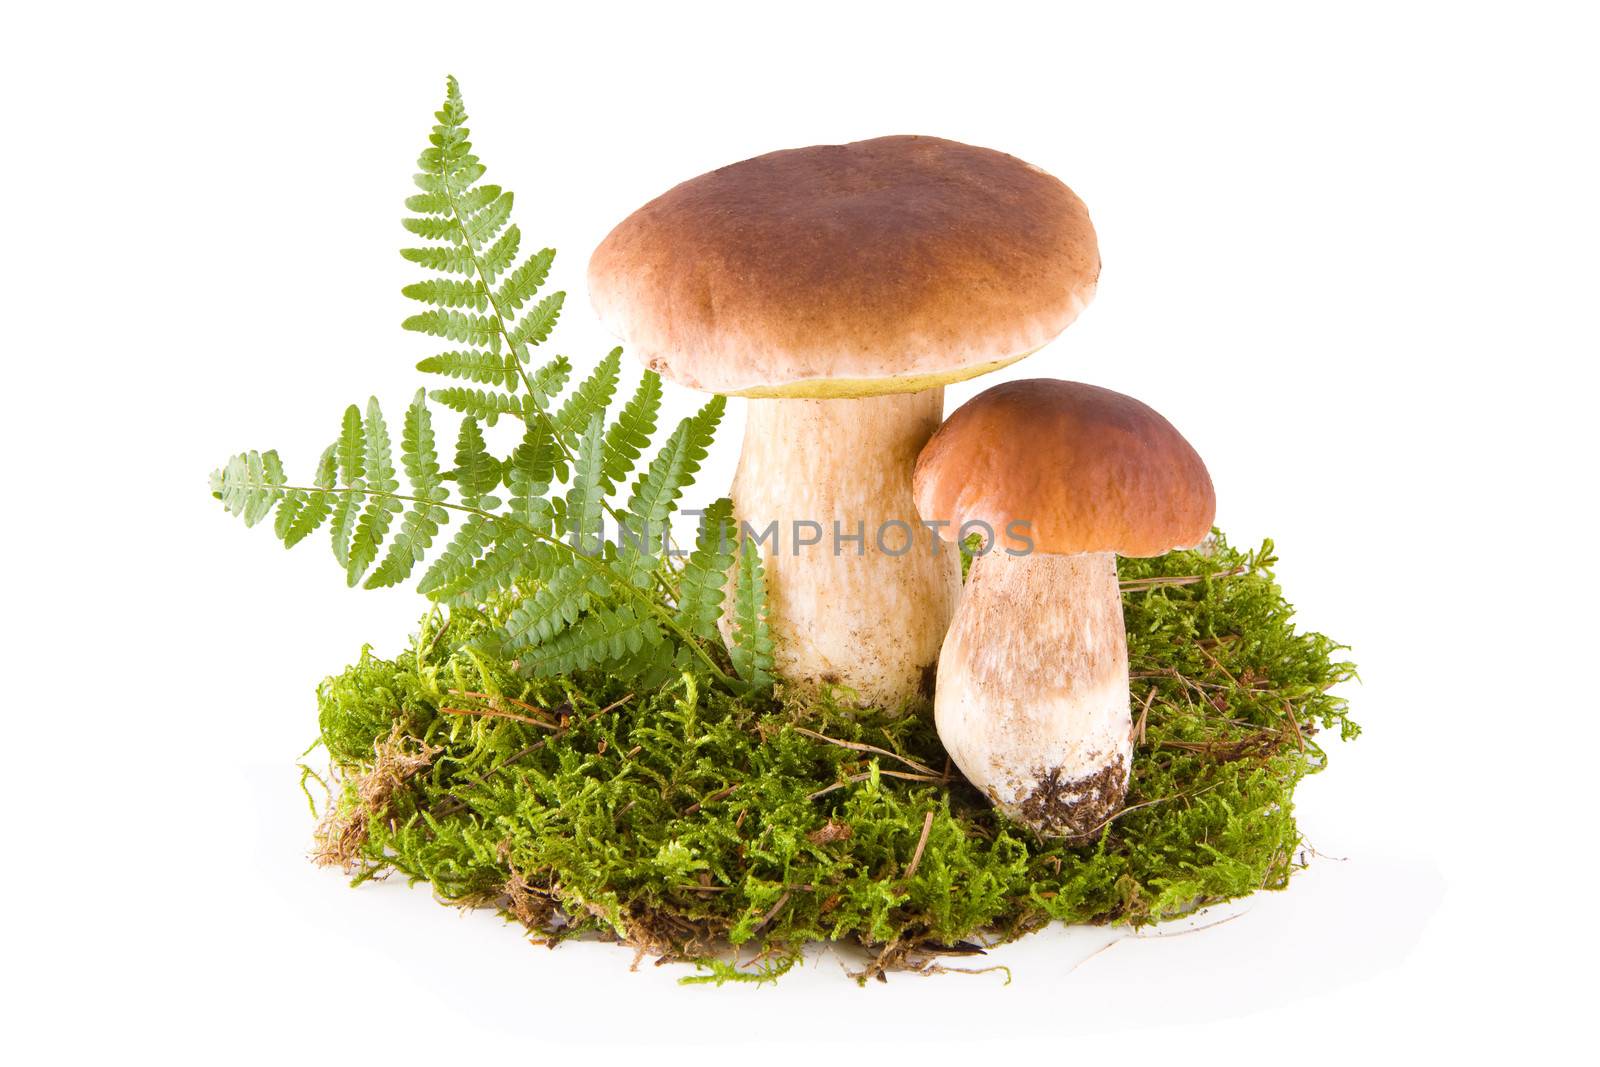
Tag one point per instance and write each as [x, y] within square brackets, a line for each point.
[730, 832]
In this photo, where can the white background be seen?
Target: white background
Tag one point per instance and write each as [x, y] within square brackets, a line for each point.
[1351, 254]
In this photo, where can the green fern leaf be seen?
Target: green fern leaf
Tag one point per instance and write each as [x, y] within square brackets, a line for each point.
[705, 573]
[628, 437]
[475, 535]
[434, 228]
[514, 557]
[421, 523]
[351, 448]
[476, 473]
[310, 510]
[446, 293]
[530, 471]
[498, 257]
[535, 327]
[548, 381]
[523, 282]
[442, 258]
[656, 492]
[477, 198]
[483, 225]
[478, 403]
[455, 326]
[249, 486]
[409, 547]
[418, 454]
[585, 496]
[751, 650]
[379, 513]
[558, 603]
[429, 204]
[474, 365]
[589, 399]
[605, 635]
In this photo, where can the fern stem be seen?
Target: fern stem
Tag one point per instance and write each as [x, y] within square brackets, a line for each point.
[655, 608]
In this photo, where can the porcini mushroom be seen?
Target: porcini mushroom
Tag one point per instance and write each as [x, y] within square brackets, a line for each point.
[1059, 478]
[840, 288]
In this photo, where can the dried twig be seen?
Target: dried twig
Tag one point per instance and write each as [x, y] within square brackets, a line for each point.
[857, 746]
[1133, 585]
[718, 795]
[495, 713]
[1137, 736]
[864, 775]
[490, 698]
[773, 913]
[922, 843]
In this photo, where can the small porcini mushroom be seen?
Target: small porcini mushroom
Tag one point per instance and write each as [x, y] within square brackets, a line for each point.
[1032, 701]
[841, 287]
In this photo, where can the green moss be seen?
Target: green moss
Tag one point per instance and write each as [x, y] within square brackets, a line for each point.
[684, 821]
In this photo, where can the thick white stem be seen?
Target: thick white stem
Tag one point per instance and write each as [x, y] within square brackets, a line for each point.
[867, 605]
[1032, 701]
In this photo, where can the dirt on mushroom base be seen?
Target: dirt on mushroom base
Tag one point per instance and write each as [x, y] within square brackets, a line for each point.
[693, 827]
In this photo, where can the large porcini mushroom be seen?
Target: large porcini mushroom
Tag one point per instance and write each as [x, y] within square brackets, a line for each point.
[840, 287]
[1032, 701]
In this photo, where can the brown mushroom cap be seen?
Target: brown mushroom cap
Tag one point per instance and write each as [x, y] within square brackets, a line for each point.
[882, 266]
[1091, 470]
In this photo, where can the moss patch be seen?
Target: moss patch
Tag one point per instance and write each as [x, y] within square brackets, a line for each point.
[696, 827]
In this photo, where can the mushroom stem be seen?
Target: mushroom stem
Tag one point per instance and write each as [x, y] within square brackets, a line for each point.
[859, 592]
[1032, 700]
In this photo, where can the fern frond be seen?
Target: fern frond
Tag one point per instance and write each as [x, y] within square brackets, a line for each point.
[409, 547]
[656, 492]
[558, 603]
[455, 326]
[301, 513]
[418, 454]
[434, 228]
[751, 650]
[478, 403]
[547, 382]
[535, 327]
[446, 293]
[604, 636]
[421, 523]
[590, 399]
[379, 513]
[475, 535]
[476, 472]
[585, 496]
[474, 365]
[530, 471]
[522, 283]
[483, 225]
[351, 448]
[429, 204]
[628, 437]
[563, 611]
[245, 487]
[476, 199]
[705, 574]
[498, 257]
[442, 258]
[514, 557]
